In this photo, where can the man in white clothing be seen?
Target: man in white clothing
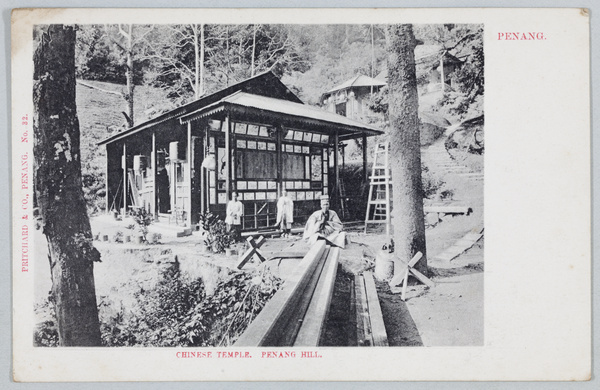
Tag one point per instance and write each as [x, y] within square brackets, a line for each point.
[322, 223]
[285, 213]
[233, 216]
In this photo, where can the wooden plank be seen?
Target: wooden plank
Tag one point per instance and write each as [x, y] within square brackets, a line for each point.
[404, 284]
[299, 312]
[396, 280]
[269, 231]
[363, 327]
[424, 279]
[267, 327]
[316, 315]
[253, 250]
[378, 332]
[447, 209]
[284, 255]
[352, 340]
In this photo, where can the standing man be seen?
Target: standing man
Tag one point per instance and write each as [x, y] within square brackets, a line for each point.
[285, 213]
[322, 223]
[233, 216]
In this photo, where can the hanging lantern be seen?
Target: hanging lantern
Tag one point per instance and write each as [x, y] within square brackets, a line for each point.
[209, 162]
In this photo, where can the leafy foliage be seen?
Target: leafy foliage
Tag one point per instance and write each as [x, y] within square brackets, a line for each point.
[179, 313]
[215, 232]
[142, 219]
[46, 332]
[98, 58]
[433, 184]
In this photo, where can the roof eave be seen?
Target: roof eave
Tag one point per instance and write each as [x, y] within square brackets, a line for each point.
[233, 107]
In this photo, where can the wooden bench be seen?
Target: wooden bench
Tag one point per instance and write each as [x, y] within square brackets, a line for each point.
[370, 328]
[297, 313]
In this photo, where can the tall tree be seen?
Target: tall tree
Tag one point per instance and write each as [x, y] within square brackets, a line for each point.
[407, 214]
[58, 188]
[177, 55]
[127, 41]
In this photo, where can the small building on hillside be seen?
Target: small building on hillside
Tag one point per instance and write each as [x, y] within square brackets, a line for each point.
[433, 64]
[351, 98]
[255, 137]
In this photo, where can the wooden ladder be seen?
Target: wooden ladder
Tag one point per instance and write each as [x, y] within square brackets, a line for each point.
[378, 202]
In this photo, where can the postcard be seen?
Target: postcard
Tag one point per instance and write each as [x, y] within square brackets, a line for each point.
[428, 211]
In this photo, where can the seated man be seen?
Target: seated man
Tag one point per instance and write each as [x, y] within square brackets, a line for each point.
[322, 223]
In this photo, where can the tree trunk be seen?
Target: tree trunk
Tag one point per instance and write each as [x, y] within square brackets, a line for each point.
[196, 85]
[253, 50]
[405, 152]
[201, 60]
[129, 76]
[58, 189]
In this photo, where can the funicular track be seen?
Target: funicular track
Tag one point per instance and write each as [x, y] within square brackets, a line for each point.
[297, 314]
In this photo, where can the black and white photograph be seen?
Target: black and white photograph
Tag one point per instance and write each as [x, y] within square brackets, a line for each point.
[264, 191]
[222, 162]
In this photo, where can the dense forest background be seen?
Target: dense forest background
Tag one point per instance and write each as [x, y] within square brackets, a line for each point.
[128, 74]
[188, 61]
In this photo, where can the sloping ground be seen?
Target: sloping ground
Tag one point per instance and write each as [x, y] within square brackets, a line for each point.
[451, 314]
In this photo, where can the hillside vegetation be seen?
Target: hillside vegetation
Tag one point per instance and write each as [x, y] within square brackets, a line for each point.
[100, 116]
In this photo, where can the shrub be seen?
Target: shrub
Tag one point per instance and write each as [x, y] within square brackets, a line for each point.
[215, 232]
[118, 236]
[142, 219]
[155, 238]
[431, 183]
[179, 313]
[45, 333]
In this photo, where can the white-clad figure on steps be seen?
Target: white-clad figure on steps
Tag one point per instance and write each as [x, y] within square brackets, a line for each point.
[285, 213]
[322, 223]
[233, 216]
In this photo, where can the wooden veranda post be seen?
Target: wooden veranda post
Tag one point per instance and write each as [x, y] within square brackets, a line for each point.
[364, 156]
[336, 169]
[106, 182]
[203, 208]
[190, 162]
[124, 163]
[279, 144]
[227, 157]
[154, 163]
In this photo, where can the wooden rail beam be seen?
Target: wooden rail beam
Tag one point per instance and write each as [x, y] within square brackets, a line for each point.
[370, 328]
[269, 327]
[312, 327]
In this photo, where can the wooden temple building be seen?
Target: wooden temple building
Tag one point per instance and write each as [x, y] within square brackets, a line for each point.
[255, 137]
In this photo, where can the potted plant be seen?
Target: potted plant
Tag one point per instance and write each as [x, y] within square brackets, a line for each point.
[142, 219]
[215, 232]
